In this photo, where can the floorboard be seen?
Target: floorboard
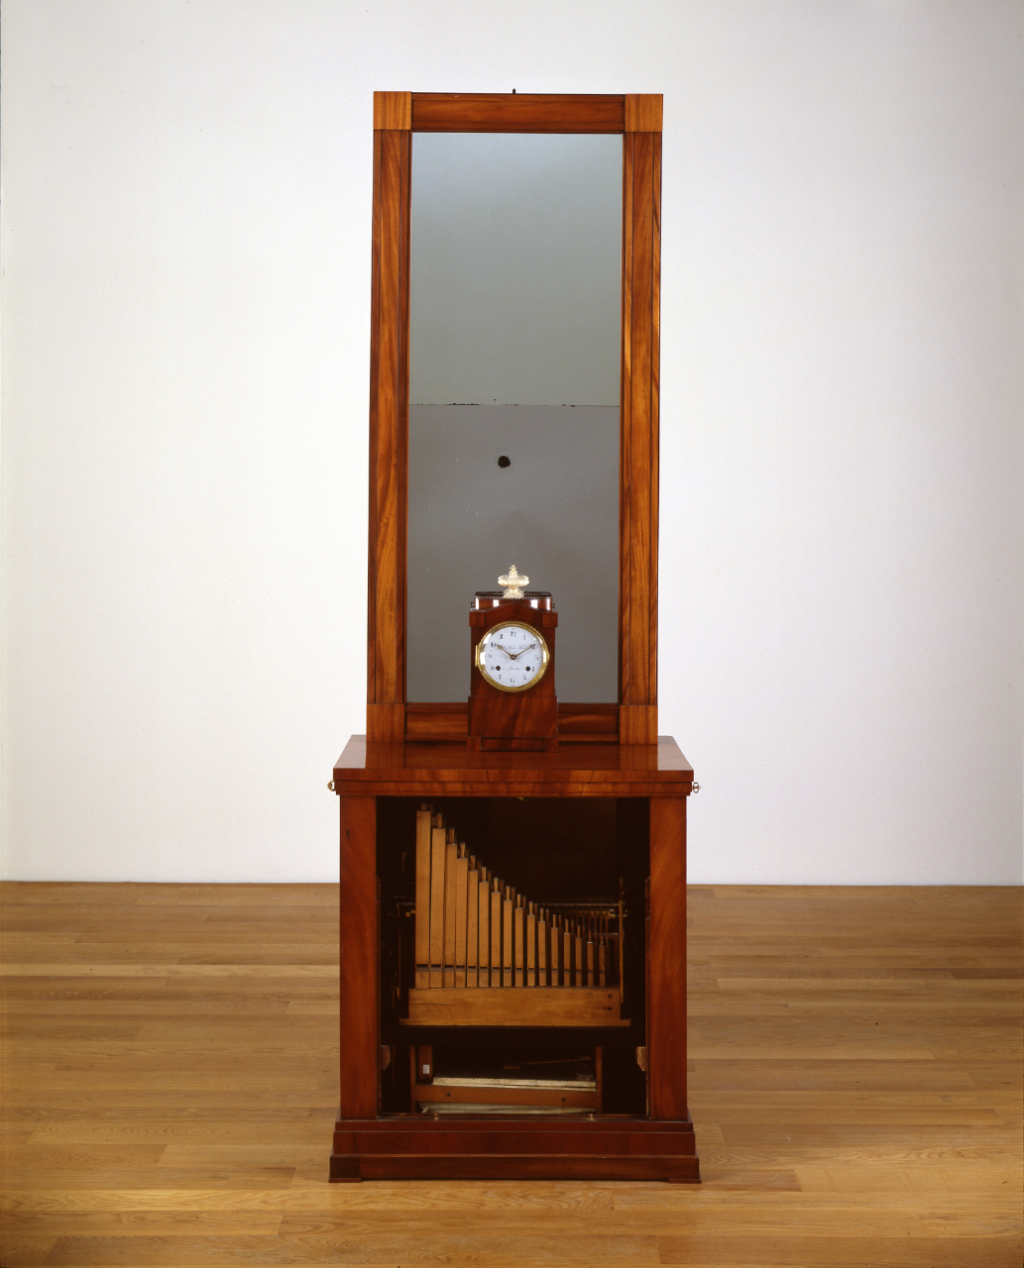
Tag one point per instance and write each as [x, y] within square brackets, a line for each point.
[170, 1084]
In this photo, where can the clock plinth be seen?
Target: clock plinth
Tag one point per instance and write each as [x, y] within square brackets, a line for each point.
[509, 713]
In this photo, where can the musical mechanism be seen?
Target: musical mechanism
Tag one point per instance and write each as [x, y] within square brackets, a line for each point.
[485, 955]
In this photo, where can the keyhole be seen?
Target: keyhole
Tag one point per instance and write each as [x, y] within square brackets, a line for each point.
[504, 461]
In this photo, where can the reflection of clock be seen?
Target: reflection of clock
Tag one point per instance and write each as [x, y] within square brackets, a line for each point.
[512, 656]
[512, 705]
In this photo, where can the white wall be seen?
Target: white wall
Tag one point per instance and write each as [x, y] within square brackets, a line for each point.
[186, 218]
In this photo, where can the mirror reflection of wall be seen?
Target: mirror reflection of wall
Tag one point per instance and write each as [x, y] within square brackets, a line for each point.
[515, 299]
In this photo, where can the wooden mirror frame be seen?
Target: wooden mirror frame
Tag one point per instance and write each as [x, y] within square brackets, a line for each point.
[396, 116]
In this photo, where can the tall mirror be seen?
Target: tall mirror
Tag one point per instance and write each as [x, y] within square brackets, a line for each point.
[514, 366]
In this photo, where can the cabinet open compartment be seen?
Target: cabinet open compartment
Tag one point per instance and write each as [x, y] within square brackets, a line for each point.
[512, 940]
[510, 1078]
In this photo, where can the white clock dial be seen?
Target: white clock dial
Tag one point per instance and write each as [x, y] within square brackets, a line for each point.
[512, 656]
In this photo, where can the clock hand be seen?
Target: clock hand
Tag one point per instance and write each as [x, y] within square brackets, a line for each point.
[516, 655]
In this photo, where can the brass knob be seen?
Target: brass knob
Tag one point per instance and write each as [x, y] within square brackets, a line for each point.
[330, 786]
[696, 787]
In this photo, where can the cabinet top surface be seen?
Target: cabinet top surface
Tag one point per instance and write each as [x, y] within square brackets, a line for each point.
[636, 769]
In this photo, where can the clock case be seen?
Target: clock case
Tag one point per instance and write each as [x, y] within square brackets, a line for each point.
[602, 818]
[513, 722]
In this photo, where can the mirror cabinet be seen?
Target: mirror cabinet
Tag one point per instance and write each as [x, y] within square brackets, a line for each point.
[513, 830]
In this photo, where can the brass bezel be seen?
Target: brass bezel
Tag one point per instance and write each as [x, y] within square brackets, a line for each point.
[519, 625]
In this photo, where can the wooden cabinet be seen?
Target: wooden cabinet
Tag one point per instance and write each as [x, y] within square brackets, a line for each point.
[640, 793]
[513, 923]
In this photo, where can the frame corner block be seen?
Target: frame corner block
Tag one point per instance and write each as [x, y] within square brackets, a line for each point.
[643, 111]
[392, 111]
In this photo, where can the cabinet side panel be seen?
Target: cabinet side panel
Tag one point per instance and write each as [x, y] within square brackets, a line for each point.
[359, 934]
[666, 977]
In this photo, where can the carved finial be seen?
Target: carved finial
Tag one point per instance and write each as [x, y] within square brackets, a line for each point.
[513, 584]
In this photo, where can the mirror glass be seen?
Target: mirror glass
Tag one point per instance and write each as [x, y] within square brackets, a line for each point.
[514, 347]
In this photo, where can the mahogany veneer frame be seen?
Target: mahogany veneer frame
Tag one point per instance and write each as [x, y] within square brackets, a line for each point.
[396, 116]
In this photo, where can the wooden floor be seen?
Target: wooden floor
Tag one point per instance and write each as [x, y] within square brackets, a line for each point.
[170, 1088]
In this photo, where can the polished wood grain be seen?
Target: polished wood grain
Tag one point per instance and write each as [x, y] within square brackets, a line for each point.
[360, 938]
[504, 720]
[517, 112]
[526, 1148]
[170, 1076]
[452, 770]
[666, 956]
[392, 110]
[444, 722]
[448, 722]
[643, 112]
[588, 723]
[494, 1006]
[638, 118]
[389, 435]
[638, 500]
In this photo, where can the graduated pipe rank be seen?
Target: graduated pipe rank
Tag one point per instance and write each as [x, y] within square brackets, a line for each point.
[480, 947]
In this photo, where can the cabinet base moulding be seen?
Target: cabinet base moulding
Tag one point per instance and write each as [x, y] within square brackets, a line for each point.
[490, 1149]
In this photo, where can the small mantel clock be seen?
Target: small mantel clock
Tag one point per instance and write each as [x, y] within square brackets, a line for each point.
[512, 703]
